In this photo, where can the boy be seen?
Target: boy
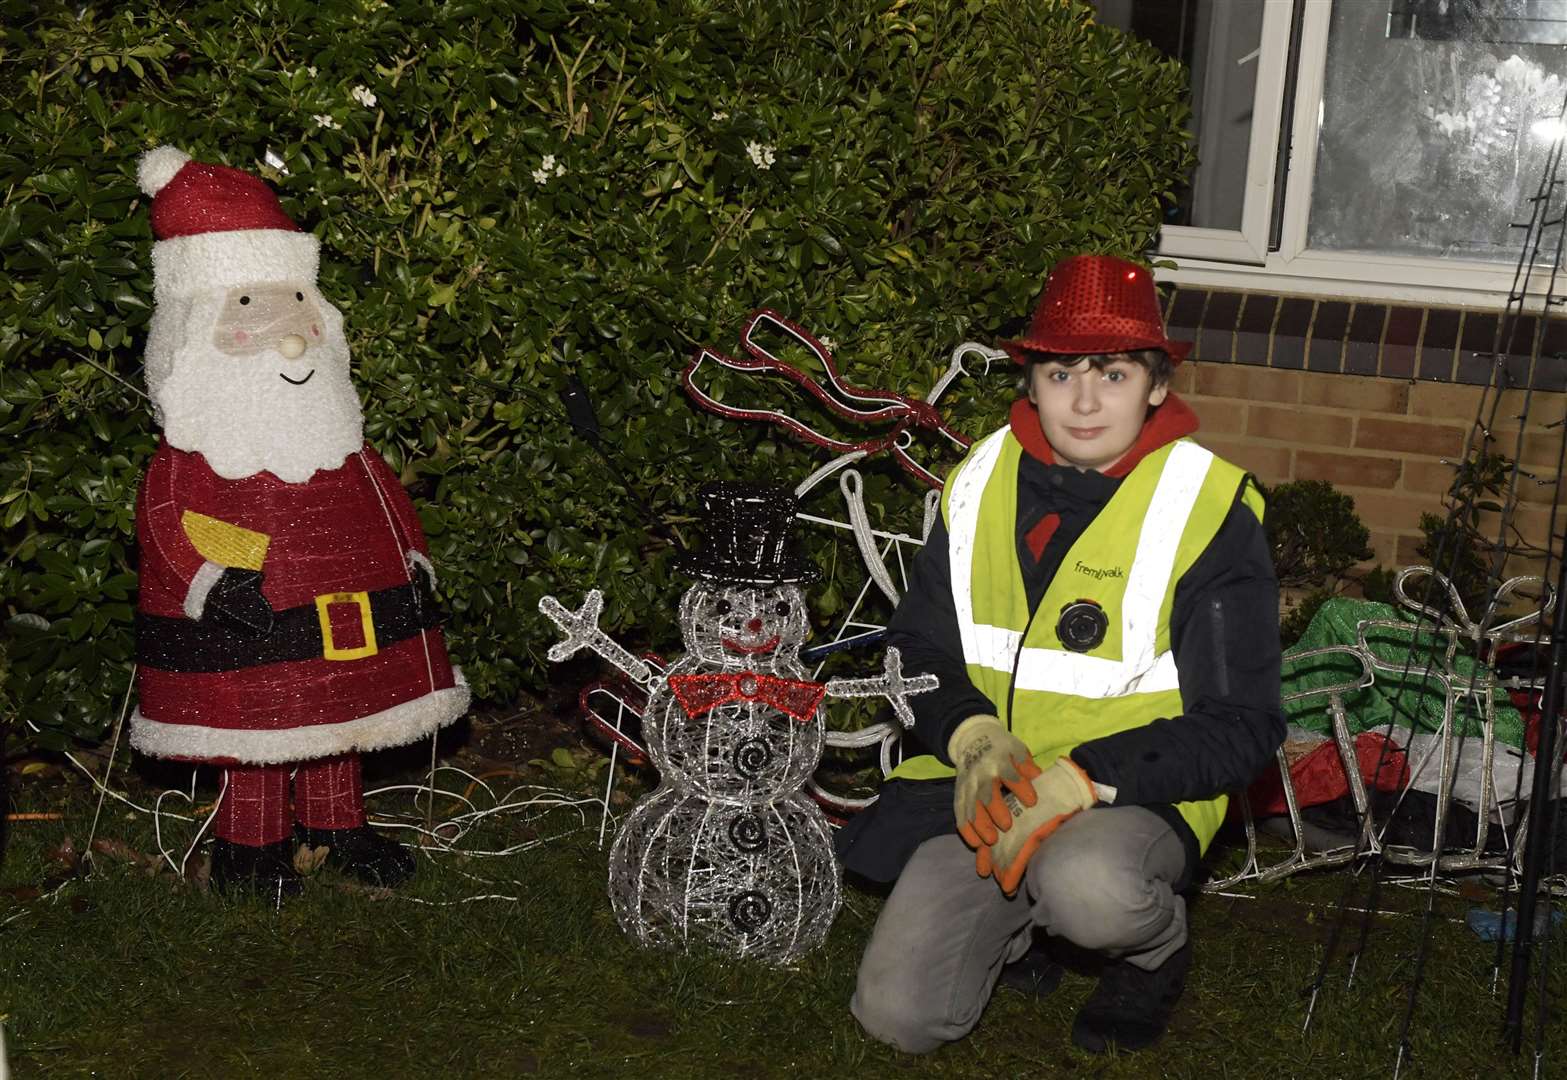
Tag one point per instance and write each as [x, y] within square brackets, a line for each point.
[1099, 603]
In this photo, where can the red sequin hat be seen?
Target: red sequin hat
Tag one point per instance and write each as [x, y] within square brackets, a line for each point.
[1096, 304]
[218, 227]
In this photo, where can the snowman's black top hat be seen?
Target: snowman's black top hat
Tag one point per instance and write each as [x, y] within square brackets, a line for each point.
[748, 533]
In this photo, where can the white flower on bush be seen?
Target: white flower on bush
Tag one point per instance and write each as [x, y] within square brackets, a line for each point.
[311, 71]
[828, 343]
[761, 155]
[547, 168]
[363, 95]
[719, 114]
[324, 120]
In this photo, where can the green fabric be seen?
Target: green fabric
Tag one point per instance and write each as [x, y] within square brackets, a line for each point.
[1374, 707]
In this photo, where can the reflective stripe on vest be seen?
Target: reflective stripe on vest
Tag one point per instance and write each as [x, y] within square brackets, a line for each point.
[1141, 668]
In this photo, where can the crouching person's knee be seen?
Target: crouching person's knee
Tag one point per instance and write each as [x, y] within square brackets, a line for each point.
[894, 1011]
[1092, 903]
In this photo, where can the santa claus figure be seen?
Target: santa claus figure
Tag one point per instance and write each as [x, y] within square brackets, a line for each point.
[287, 620]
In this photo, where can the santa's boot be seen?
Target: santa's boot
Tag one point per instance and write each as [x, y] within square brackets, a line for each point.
[329, 803]
[253, 852]
[1130, 1008]
[266, 870]
[362, 852]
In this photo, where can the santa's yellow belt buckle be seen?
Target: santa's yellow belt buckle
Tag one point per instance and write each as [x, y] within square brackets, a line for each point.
[329, 649]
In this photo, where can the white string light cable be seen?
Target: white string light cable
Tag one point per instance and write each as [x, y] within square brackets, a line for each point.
[526, 801]
[108, 768]
[157, 821]
[435, 837]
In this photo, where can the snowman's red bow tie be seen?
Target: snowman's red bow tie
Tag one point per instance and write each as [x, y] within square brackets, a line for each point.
[699, 694]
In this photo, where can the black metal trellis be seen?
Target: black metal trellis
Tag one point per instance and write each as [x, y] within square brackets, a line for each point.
[1541, 274]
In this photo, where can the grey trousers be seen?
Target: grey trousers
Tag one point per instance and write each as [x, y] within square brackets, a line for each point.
[1103, 881]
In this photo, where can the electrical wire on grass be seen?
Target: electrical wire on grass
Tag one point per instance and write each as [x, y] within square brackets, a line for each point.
[447, 835]
[436, 837]
[157, 821]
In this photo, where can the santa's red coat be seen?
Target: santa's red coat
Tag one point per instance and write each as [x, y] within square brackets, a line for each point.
[344, 530]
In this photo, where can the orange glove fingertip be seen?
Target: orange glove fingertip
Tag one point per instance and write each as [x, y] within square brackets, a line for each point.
[998, 812]
[985, 827]
[1023, 788]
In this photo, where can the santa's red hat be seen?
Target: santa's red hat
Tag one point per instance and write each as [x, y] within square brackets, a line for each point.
[218, 227]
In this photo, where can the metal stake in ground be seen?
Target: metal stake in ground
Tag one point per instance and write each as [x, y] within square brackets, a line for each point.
[1542, 819]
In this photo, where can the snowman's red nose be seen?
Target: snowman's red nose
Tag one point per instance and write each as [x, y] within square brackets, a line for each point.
[754, 626]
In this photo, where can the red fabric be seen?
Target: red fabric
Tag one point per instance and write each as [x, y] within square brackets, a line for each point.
[1528, 703]
[168, 559]
[1096, 304]
[1037, 537]
[330, 793]
[391, 486]
[1318, 776]
[204, 198]
[254, 808]
[1171, 420]
[699, 694]
[333, 533]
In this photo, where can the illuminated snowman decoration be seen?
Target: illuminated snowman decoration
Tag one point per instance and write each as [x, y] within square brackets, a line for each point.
[729, 850]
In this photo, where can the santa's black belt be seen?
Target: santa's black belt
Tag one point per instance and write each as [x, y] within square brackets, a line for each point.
[387, 616]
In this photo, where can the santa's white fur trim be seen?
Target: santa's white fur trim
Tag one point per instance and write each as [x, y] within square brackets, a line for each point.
[397, 726]
[418, 558]
[157, 167]
[185, 265]
[200, 586]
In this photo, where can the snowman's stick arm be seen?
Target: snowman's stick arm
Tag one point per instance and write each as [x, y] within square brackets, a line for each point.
[891, 684]
[581, 628]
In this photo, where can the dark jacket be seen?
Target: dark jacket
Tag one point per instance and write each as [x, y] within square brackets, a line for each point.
[1223, 632]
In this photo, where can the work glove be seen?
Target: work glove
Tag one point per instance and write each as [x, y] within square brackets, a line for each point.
[990, 760]
[1058, 792]
[236, 604]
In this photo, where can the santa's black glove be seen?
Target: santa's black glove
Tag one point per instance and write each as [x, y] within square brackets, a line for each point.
[236, 604]
[424, 590]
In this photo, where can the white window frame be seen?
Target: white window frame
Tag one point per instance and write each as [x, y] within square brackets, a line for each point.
[1249, 243]
[1295, 268]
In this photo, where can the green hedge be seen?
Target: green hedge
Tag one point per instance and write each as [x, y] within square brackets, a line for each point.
[912, 171]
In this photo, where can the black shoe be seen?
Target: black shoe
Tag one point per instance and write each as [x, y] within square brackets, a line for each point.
[1032, 973]
[1130, 1008]
[266, 870]
[362, 852]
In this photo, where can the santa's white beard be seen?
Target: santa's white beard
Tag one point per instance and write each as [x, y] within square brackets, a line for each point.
[244, 418]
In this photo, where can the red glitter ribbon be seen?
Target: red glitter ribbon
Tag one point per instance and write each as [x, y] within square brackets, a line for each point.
[848, 401]
[699, 694]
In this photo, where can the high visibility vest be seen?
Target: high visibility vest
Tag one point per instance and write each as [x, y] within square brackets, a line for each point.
[1128, 560]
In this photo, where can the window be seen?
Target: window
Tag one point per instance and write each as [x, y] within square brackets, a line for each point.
[1379, 148]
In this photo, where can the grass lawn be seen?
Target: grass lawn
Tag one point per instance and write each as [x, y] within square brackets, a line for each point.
[133, 972]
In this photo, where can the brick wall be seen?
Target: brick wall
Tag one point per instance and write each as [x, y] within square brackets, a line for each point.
[1378, 416]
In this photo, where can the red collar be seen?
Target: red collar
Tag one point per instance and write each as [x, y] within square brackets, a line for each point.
[1170, 421]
